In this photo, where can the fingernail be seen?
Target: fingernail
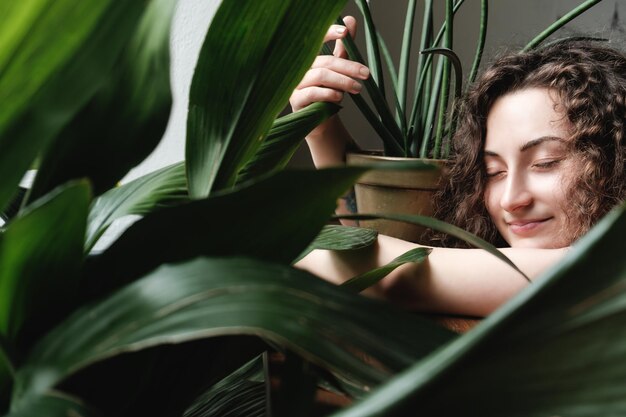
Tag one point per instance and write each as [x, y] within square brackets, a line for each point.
[340, 30]
[356, 87]
[365, 72]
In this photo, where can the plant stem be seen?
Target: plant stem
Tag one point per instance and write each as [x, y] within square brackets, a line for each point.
[560, 23]
[445, 90]
[406, 53]
[380, 103]
[400, 115]
[422, 90]
[373, 51]
[391, 147]
[480, 46]
[432, 106]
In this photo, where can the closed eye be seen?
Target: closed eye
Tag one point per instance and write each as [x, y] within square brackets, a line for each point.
[547, 164]
[494, 174]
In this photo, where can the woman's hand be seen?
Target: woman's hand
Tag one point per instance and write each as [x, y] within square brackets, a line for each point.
[331, 75]
[328, 79]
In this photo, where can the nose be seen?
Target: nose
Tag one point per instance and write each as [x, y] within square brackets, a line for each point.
[516, 193]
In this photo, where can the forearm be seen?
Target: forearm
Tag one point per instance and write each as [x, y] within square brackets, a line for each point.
[329, 143]
[455, 281]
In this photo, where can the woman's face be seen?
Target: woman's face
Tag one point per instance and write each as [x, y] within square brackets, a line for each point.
[528, 169]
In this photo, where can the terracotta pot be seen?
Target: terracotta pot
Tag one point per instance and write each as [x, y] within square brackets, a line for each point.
[397, 192]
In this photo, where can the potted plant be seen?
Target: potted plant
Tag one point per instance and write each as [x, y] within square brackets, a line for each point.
[420, 124]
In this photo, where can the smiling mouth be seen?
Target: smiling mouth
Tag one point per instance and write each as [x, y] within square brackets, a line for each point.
[525, 227]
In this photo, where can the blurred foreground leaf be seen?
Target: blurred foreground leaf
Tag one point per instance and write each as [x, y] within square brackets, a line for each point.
[126, 118]
[284, 139]
[55, 55]
[274, 218]
[362, 339]
[162, 188]
[254, 55]
[40, 258]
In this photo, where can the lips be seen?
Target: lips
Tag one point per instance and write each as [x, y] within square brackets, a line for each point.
[527, 226]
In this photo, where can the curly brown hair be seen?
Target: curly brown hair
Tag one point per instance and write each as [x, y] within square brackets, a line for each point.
[589, 80]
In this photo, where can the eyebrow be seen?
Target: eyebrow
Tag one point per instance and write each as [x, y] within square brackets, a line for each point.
[531, 144]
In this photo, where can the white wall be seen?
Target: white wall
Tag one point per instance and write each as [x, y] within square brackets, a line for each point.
[191, 21]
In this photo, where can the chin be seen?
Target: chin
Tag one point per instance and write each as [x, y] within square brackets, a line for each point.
[539, 243]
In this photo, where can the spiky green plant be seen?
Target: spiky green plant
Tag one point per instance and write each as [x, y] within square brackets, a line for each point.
[422, 124]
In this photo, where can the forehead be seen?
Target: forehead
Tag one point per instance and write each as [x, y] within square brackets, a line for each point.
[522, 116]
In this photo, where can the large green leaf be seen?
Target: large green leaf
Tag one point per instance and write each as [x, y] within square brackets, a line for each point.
[556, 349]
[284, 139]
[125, 120]
[40, 256]
[274, 219]
[254, 55]
[164, 187]
[6, 376]
[55, 55]
[363, 339]
[40, 253]
[54, 404]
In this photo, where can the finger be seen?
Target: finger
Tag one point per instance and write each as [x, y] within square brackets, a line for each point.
[340, 50]
[304, 97]
[342, 66]
[335, 32]
[324, 77]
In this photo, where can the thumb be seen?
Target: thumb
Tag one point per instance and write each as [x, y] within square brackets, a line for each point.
[340, 50]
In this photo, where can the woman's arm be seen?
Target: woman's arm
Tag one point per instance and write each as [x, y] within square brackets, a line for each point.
[330, 77]
[468, 282]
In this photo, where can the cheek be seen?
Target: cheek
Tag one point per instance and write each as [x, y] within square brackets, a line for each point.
[557, 189]
[491, 199]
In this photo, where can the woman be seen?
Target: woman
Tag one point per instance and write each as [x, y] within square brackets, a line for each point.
[537, 160]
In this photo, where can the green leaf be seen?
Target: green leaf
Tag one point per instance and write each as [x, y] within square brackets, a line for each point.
[54, 404]
[405, 54]
[439, 226]
[363, 339]
[333, 237]
[125, 120]
[441, 150]
[162, 188]
[366, 280]
[456, 63]
[274, 218]
[555, 349]
[480, 44]
[373, 49]
[40, 257]
[391, 69]
[55, 55]
[241, 394]
[7, 372]
[254, 55]
[284, 139]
